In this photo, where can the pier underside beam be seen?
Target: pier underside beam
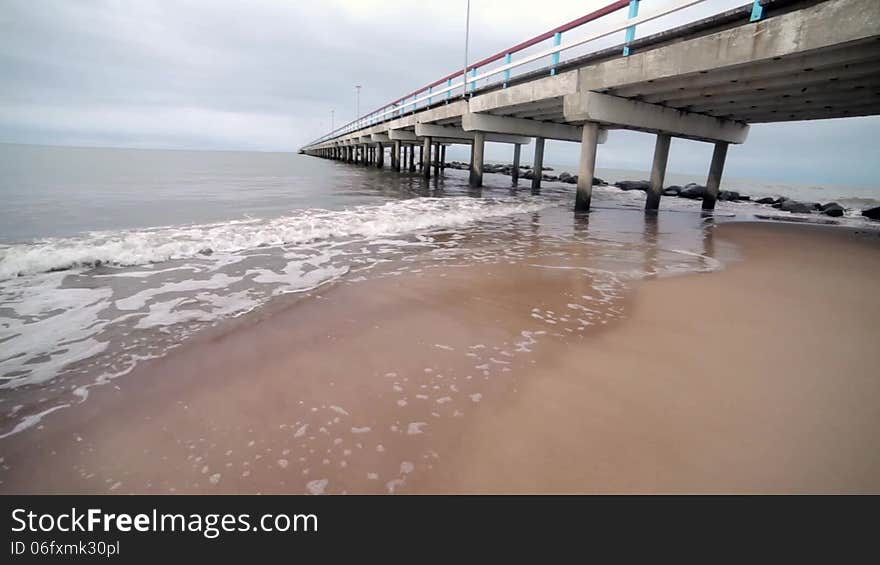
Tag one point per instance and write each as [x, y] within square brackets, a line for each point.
[522, 127]
[616, 111]
[451, 132]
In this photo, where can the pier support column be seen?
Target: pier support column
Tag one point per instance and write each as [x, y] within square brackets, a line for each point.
[477, 150]
[538, 165]
[412, 158]
[658, 171]
[514, 173]
[380, 156]
[715, 171]
[395, 156]
[437, 159]
[589, 141]
[442, 157]
[425, 155]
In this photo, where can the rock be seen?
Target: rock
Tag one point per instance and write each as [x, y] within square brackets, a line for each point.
[596, 181]
[671, 190]
[633, 185]
[833, 209]
[564, 177]
[766, 200]
[546, 168]
[873, 213]
[796, 207]
[693, 191]
[727, 195]
[529, 174]
[549, 177]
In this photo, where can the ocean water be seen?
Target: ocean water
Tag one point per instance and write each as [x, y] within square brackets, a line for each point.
[111, 257]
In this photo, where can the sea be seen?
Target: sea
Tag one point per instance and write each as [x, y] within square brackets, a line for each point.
[112, 257]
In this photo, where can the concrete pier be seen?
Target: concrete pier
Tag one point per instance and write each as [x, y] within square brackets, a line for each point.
[395, 156]
[476, 172]
[436, 160]
[425, 154]
[658, 171]
[705, 80]
[514, 173]
[380, 156]
[538, 164]
[587, 170]
[719, 155]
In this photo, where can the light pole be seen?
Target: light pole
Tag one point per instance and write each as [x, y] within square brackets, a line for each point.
[467, 32]
[358, 113]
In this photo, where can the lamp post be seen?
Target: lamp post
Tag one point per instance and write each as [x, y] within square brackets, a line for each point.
[467, 30]
[358, 113]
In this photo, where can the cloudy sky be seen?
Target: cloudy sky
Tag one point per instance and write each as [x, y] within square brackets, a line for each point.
[265, 75]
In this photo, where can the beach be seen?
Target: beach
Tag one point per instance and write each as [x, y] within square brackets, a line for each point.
[686, 355]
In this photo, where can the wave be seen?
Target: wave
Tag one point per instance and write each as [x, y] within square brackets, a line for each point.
[155, 245]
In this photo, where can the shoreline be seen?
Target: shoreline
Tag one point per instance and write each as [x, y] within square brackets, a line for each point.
[231, 401]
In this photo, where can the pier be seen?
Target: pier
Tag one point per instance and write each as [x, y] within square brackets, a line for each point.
[705, 80]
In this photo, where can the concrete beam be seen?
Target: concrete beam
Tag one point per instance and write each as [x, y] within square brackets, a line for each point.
[403, 135]
[532, 91]
[824, 25]
[380, 137]
[606, 109]
[519, 126]
[452, 132]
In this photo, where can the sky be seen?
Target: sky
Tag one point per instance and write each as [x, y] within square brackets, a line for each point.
[266, 74]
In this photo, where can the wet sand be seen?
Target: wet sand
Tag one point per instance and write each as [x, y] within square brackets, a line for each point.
[757, 378]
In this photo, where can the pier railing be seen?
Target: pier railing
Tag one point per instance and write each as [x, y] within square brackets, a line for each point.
[500, 67]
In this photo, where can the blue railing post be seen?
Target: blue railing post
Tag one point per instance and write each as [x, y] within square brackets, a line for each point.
[474, 84]
[557, 39]
[448, 92]
[507, 72]
[430, 89]
[757, 11]
[631, 30]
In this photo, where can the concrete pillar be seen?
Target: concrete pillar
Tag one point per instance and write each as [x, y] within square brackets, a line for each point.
[514, 174]
[715, 171]
[412, 158]
[538, 165]
[425, 153]
[436, 159]
[442, 156]
[589, 141]
[380, 156]
[476, 177]
[421, 157]
[395, 156]
[658, 171]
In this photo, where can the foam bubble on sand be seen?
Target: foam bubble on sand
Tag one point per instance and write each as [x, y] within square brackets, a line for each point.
[316, 486]
[446, 347]
[214, 479]
[380, 448]
[282, 463]
[373, 476]
[339, 410]
[32, 420]
[415, 428]
[406, 468]
[444, 400]
[301, 431]
[401, 402]
[476, 397]
[362, 430]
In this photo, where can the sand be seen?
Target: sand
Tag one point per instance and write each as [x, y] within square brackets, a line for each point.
[757, 378]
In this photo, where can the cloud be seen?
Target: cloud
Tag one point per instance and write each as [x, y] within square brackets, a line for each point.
[265, 75]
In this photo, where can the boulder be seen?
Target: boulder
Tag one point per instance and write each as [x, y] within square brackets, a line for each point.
[564, 177]
[728, 195]
[796, 207]
[633, 185]
[873, 213]
[671, 190]
[549, 177]
[596, 181]
[529, 174]
[833, 209]
[766, 200]
[693, 191]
